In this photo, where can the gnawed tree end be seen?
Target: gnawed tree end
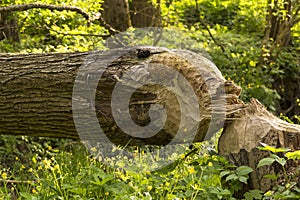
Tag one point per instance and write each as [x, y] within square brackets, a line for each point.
[248, 129]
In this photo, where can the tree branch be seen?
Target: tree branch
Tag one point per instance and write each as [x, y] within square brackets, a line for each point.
[83, 34]
[110, 29]
[23, 7]
[211, 36]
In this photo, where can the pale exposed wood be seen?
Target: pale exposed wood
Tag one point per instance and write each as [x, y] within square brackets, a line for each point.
[250, 127]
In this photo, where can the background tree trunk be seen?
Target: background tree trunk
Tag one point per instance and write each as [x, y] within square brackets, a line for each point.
[277, 35]
[145, 14]
[116, 14]
[279, 21]
[282, 16]
[9, 27]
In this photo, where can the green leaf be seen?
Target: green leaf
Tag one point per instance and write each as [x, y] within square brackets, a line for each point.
[231, 176]
[265, 161]
[274, 156]
[78, 190]
[28, 196]
[189, 193]
[281, 161]
[267, 148]
[248, 196]
[243, 179]
[257, 194]
[281, 149]
[293, 155]
[271, 176]
[244, 170]
[224, 173]
[105, 179]
[272, 148]
[253, 194]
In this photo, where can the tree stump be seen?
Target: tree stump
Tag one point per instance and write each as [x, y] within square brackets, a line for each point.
[243, 133]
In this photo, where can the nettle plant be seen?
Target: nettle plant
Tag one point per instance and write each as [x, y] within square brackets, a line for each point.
[288, 189]
[234, 177]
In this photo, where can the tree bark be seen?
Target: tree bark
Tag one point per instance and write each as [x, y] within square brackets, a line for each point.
[36, 92]
[145, 14]
[116, 14]
[280, 19]
[9, 27]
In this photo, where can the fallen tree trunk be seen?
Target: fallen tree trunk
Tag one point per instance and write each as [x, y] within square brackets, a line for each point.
[36, 94]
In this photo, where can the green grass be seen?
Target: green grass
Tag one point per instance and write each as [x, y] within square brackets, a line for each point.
[43, 168]
[63, 169]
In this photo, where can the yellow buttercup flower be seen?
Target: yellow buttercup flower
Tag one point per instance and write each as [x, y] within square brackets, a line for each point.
[4, 175]
[149, 187]
[47, 163]
[191, 170]
[56, 167]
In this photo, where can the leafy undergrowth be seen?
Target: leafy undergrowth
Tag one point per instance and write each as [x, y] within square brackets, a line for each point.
[37, 168]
